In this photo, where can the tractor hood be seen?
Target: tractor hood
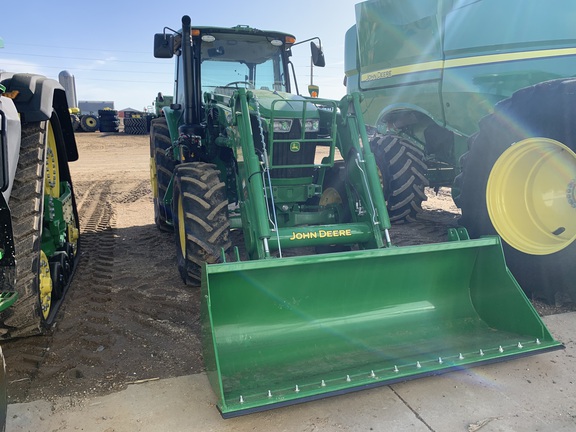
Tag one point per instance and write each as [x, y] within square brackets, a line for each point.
[281, 105]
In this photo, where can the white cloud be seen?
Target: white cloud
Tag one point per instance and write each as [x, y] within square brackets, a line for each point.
[19, 66]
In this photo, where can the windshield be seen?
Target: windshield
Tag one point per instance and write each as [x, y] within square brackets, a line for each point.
[236, 60]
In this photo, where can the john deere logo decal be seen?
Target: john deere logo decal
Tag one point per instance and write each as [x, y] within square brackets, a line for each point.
[294, 146]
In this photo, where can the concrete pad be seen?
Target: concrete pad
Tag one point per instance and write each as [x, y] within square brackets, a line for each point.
[536, 393]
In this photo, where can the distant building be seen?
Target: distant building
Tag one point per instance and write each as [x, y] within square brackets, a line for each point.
[92, 107]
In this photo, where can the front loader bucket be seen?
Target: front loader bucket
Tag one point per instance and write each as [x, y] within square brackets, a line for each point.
[283, 331]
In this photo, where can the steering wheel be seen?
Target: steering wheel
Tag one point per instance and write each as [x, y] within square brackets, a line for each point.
[236, 83]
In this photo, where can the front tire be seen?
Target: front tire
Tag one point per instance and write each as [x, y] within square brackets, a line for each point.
[201, 225]
[545, 110]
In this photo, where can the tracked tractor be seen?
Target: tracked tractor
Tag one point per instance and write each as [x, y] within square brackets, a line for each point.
[477, 95]
[275, 203]
[39, 230]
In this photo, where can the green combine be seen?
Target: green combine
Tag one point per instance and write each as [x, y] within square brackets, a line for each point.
[276, 206]
[448, 86]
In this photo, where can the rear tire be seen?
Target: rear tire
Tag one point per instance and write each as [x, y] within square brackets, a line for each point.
[201, 225]
[545, 110]
[161, 168]
[403, 176]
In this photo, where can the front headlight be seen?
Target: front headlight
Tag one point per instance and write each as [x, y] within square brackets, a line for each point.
[312, 125]
[282, 125]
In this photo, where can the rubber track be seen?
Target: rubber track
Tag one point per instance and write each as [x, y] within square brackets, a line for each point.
[27, 204]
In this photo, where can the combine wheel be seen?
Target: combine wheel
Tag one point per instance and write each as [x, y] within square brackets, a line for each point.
[403, 174]
[201, 226]
[161, 168]
[42, 168]
[89, 123]
[546, 110]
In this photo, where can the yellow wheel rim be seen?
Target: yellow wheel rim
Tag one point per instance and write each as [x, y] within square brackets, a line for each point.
[52, 179]
[153, 178]
[52, 189]
[330, 196]
[531, 197]
[45, 285]
[181, 227]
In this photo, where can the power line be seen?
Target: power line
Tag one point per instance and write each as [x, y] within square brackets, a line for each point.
[128, 61]
[82, 58]
[74, 68]
[79, 48]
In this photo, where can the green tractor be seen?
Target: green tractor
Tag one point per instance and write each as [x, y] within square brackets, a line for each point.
[276, 206]
[39, 220]
[39, 231]
[160, 102]
[448, 87]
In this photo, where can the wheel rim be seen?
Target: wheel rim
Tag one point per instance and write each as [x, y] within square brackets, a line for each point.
[52, 189]
[531, 197]
[330, 196]
[153, 178]
[181, 228]
[45, 285]
[52, 179]
[73, 236]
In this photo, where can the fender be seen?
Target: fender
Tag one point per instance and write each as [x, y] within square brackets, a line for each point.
[384, 116]
[37, 98]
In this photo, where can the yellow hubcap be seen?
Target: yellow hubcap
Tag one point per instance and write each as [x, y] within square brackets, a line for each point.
[45, 285]
[530, 196]
[330, 196]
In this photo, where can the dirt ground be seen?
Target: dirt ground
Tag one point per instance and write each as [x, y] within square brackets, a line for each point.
[128, 317]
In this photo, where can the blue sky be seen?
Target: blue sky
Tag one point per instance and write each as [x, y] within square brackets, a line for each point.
[107, 45]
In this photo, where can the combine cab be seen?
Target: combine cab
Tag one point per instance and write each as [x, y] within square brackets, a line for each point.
[314, 300]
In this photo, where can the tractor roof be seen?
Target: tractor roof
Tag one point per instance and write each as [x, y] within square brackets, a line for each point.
[244, 30]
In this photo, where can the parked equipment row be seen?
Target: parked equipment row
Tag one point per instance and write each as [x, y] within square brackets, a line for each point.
[108, 121]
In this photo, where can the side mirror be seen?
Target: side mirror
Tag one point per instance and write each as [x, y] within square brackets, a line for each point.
[313, 90]
[317, 55]
[163, 45]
